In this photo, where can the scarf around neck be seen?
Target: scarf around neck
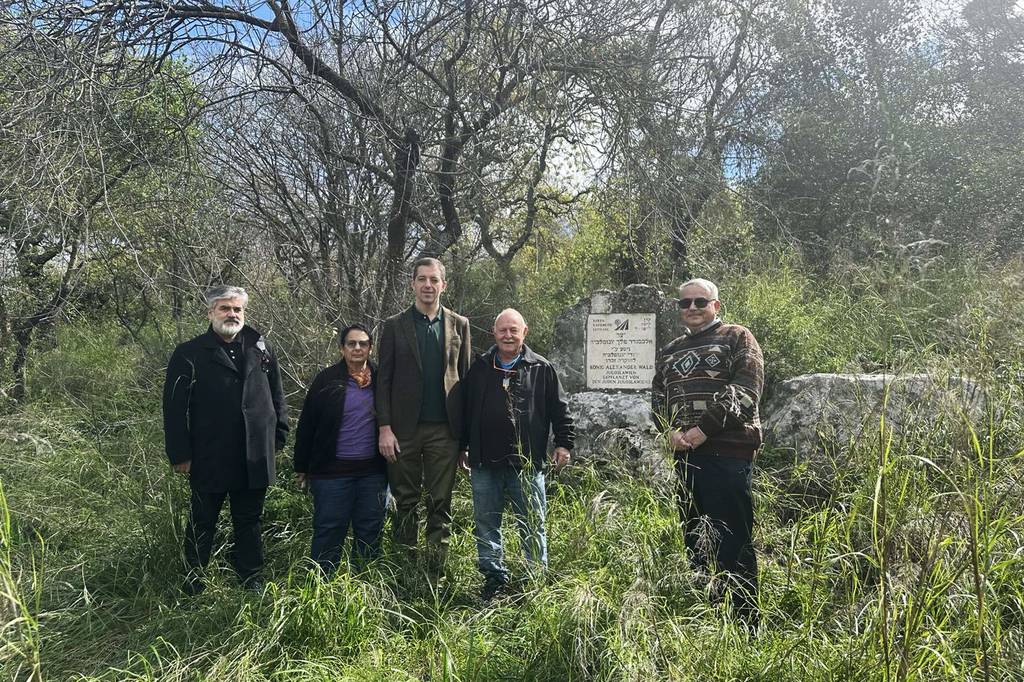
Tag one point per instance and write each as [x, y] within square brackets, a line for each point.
[361, 377]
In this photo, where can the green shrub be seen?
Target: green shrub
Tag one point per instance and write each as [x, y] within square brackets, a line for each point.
[96, 367]
[802, 326]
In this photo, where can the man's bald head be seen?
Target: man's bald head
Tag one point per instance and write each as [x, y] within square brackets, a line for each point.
[512, 313]
[509, 333]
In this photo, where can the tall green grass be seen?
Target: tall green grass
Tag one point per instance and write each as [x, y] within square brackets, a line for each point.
[20, 591]
[911, 568]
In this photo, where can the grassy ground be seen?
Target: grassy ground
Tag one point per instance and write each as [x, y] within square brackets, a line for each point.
[907, 565]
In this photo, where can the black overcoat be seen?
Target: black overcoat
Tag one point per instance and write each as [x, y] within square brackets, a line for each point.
[228, 423]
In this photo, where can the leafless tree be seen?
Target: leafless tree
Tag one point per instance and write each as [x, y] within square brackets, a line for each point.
[450, 107]
[72, 139]
[681, 126]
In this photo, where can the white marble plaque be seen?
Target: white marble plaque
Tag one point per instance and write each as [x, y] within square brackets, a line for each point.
[620, 351]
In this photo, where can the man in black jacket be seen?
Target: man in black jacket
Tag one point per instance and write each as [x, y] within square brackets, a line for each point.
[224, 418]
[513, 401]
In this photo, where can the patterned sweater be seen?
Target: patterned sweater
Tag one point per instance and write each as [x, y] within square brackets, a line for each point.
[712, 379]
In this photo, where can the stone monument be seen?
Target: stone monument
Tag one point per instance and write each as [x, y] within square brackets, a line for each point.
[569, 348]
[620, 351]
[605, 348]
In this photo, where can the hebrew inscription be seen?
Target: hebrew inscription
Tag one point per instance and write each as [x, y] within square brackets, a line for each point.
[620, 351]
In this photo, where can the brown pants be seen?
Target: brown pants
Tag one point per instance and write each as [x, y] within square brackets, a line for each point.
[426, 463]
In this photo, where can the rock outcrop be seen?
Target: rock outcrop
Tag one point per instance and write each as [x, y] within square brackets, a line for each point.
[615, 430]
[814, 412]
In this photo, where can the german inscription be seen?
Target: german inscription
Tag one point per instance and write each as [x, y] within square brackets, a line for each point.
[620, 350]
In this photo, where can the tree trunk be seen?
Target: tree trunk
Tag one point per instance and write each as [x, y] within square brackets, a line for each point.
[23, 339]
[398, 225]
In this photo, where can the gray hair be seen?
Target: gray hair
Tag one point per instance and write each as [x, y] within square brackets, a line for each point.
[705, 284]
[223, 291]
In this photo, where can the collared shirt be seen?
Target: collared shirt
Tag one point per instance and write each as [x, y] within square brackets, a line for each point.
[709, 325]
[234, 351]
[510, 364]
[430, 338]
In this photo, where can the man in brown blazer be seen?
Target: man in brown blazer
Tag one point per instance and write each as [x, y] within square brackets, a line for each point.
[423, 354]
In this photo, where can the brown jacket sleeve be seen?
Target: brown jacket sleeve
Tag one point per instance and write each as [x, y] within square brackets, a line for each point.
[466, 352]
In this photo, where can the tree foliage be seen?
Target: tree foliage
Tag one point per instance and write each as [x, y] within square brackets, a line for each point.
[892, 125]
[330, 143]
[80, 156]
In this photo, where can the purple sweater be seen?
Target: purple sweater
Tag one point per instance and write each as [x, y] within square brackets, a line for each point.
[357, 435]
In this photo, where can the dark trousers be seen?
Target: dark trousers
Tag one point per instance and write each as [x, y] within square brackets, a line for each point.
[716, 509]
[338, 503]
[246, 510]
[427, 463]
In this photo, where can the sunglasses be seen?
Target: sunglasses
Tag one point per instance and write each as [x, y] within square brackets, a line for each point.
[701, 302]
[357, 344]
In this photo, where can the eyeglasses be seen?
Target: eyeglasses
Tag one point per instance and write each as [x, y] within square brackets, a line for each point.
[701, 302]
[357, 344]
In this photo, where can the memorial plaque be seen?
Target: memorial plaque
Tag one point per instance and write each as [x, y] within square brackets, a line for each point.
[620, 351]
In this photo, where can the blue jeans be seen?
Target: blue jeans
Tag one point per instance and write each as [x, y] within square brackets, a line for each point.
[339, 502]
[525, 492]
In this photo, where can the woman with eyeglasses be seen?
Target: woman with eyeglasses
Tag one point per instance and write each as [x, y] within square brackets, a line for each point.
[336, 456]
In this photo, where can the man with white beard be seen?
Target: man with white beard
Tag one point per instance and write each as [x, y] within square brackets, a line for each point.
[224, 418]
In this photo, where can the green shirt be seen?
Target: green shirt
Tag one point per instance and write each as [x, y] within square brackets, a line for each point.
[430, 337]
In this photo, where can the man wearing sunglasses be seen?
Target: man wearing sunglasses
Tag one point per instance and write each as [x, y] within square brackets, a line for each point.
[705, 394]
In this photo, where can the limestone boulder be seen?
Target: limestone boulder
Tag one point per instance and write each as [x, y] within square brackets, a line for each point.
[616, 432]
[813, 413]
[597, 411]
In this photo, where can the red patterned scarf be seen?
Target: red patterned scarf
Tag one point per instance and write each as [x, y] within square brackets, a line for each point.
[362, 377]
